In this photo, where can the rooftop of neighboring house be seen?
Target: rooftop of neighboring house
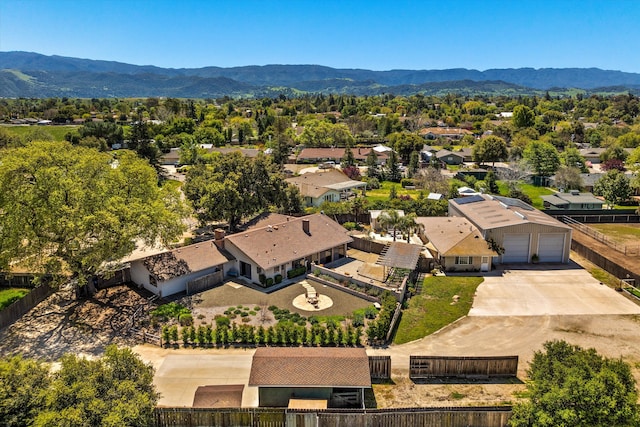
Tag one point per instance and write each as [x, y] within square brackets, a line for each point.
[444, 153]
[185, 260]
[487, 212]
[315, 367]
[452, 236]
[444, 131]
[359, 153]
[572, 198]
[289, 240]
[315, 184]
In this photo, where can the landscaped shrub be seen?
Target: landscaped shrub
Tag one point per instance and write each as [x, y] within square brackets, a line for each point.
[370, 312]
[349, 225]
[358, 320]
[222, 321]
[278, 279]
[169, 311]
[295, 272]
[185, 319]
[407, 182]
[173, 332]
[262, 278]
[269, 281]
[185, 336]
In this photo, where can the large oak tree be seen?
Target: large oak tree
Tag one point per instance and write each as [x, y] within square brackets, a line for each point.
[68, 209]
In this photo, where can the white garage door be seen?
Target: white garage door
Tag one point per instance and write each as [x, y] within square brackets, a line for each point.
[516, 248]
[551, 247]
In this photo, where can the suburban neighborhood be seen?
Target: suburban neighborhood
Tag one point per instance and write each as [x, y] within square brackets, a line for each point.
[287, 256]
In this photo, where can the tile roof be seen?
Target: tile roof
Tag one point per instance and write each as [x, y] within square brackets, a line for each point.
[185, 260]
[454, 236]
[488, 212]
[283, 242]
[310, 367]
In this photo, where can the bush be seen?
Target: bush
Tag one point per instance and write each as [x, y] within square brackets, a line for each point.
[262, 278]
[295, 272]
[370, 312]
[373, 184]
[185, 319]
[222, 322]
[349, 225]
[358, 320]
[170, 311]
[277, 279]
[269, 281]
[316, 272]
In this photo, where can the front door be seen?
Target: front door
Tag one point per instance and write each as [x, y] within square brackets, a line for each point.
[484, 265]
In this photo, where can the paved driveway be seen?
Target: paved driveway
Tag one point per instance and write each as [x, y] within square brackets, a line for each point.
[547, 290]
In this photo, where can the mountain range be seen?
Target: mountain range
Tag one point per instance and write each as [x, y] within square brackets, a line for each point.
[26, 74]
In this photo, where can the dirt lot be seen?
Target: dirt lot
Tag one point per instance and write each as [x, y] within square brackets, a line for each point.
[625, 234]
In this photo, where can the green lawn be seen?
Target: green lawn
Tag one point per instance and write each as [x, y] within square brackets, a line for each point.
[8, 296]
[382, 193]
[57, 132]
[432, 308]
[530, 190]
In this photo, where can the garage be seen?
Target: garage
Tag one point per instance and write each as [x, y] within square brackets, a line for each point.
[516, 248]
[551, 247]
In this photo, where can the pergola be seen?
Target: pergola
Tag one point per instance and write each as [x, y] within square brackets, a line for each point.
[400, 255]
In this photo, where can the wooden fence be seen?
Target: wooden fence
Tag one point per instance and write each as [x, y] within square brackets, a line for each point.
[366, 245]
[426, 367]
[205, 282]
[604, 262]
[628, 250]
[380, 368]
[281, 417]
[19, 308]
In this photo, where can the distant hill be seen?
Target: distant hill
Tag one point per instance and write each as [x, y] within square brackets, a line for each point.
[25, 74]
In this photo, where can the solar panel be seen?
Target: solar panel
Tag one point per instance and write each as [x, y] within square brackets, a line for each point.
[470, 199]
[514, 202]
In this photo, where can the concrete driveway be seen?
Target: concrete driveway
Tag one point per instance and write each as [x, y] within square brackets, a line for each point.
[179, 376]
[547, 289]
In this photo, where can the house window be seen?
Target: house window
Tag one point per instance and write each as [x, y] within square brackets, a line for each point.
[258, 270]
[463, 260]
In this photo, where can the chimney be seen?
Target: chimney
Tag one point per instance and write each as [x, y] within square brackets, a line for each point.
[218, 237]
[305, 226]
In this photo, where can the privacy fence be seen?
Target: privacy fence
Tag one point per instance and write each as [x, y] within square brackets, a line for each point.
[10, 314]
[281, 417]
[428, 367]
[628, 250]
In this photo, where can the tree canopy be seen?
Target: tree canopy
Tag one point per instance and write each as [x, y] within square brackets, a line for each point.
[115, 390]
[70, 209]
[489, 149]
[542, 157]
[570, 386]
[614, 186]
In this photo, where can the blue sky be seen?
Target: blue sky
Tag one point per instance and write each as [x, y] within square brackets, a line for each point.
[373, 34]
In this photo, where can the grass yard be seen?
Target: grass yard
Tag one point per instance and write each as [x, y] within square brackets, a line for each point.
[534, 192]
[382, 193]
[434, 307]
[57, 132]
[625, 234]
[8, 296]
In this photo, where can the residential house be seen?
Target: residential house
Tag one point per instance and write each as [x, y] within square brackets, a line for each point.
[310, 378]
[574, 200]
[450, 157]
[432, 133]
[329, 185]
[519, 229]
[320, 155]
[455, 243]
[274, 249]
[188, 269]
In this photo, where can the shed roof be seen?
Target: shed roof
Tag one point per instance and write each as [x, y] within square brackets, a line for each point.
[310, 367]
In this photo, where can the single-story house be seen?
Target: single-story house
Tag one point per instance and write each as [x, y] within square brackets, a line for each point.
[188, 269]
[574, 200]
[310, 378]
[319, 155]
[455, 243]
[444, 132]
[592, 155]
[273, 249]
[450, 157]
[518, 229]
[330, 185]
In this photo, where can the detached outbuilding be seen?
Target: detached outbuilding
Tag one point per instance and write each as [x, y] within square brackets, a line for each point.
[310, 378]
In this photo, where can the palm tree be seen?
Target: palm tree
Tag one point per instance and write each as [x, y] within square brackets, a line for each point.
[409, 225]
[391, 218]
